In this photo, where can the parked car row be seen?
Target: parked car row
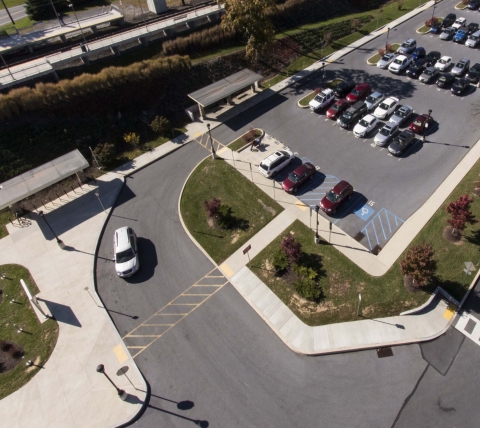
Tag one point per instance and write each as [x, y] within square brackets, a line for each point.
[277, 161]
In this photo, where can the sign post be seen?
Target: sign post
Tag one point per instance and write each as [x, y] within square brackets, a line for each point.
[246, 250]
[330, 233]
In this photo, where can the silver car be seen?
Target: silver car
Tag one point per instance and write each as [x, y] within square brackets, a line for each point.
[461, 67]
[448, 33]
[401, 115]
[386, 60]
[373, 100]
[386, 134]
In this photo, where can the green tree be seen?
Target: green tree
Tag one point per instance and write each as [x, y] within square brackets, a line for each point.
[250, 17]
[161, 125]
[132, 138]
[38, 10]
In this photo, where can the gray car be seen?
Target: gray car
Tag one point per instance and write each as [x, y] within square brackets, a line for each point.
[407, 47]
[386, 60]
[373, 100]
[386, 134]
[461, 67]
[401, 115]
[448, 33]
[429, 74]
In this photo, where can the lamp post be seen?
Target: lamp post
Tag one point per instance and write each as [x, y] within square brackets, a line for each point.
[426, 124]
[56, 14]
[59, 241]
[433, 11]
[214, 156]
[76, 17]
[386, 43]
[323, 72]
[317, 238]
[121, 393]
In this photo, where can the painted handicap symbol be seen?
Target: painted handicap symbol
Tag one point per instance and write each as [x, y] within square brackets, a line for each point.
[364, 212]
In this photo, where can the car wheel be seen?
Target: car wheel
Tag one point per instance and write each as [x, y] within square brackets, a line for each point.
[334, 211]
[291, 160]
[311, 177]
[294, 190]
[274, 173]
[350, 197]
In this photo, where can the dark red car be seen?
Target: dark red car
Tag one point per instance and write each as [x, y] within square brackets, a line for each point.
[334, 198]
[419, 124]
[359, 93]
[337, 109]
[297, 177]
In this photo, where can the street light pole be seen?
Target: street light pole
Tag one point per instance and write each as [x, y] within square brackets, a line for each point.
[433, 11]
[214, 156]
[76, 17]
[121, 393]
[56, 14]
[323, 72]
[426, 124]
[317, 237]
[59, 241]
[386, 43]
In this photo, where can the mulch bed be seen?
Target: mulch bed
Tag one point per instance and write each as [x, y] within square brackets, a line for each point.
[456, 238]
[10, 355]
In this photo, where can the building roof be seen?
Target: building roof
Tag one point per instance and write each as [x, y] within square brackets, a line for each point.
[36, 179]
[223, 88]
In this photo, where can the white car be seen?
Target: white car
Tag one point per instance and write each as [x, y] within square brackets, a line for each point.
[365, 126]
[374, 100]
[459, 23]
[125, 250]
[385, 134]
[386, 108]
[275, 162]
[443, 63]
[400, 63]
[386, 60]
[322, 100]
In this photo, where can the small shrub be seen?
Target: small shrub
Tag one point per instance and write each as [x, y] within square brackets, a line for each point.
[389, 48]
[249, 136]
[280, 260]
[161, 125]
[212, 207]
[132, 138]
[400, 4]
[465, 1]
[317, 90]
[381, 51]
[419, 264]
[305, 272]
[105, 153]
[292, 248]
[431, 21]
[308, 289]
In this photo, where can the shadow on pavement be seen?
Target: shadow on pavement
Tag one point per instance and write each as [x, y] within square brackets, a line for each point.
[62, 313]
[148, 262]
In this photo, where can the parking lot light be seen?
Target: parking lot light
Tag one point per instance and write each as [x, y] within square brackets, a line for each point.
[121, 393]
[59, 241]
[433, 11]
[214, 156]
[317, 238]
[78, 22]
[323, 72]
[386, 43]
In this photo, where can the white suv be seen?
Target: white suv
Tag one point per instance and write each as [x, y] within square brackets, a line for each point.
[125, 250]
[400, 63]
[275, 162]
[322, 100]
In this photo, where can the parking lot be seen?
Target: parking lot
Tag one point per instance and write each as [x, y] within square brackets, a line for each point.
[388, 190]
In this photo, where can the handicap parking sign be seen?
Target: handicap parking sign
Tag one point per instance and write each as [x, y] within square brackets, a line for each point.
[364, 212]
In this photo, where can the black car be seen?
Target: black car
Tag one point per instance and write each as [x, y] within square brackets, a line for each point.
[401, 142]
[460, 85]
[449, 20]
[472, 27]
[473, 4]
[347, 119]
[436, 28]
[417, 67]
[473, 75]
[432, 57]
[343, 89]
[445, 80]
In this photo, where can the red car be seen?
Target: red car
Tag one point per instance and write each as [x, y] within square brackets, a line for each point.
[337, 109]
[297, 177]
[419, 124]
[359, 93]
[334, 198]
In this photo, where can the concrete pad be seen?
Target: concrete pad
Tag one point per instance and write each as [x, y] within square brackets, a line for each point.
[321, 341]
[268, 303]
[303, 341]
[336, 336]
[280, 316]
[371, 332]
[258, 292]
[353, 334]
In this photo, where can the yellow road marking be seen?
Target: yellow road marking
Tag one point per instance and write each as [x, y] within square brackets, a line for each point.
[301, 205]
[197, 134]
[120, 354]
[449, 312]
[226, 270]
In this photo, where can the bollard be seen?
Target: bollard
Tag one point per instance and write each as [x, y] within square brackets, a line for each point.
[71, 187]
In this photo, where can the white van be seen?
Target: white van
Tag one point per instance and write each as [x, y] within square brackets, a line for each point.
[125, 250]
[275, 162]
[473, 39]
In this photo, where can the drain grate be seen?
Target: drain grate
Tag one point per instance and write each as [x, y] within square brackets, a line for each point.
[359, 236]
[376, 250]
[384, 352]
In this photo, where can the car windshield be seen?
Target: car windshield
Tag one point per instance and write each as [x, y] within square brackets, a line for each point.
[347, 115]
[385, 131]
[335, 107]
[401, 113]
[415, 66]
[356, 91]
[405, 45]
[442, 61]
[125, 256]
[364, 123]
[263, 166]
[370, 99]
[398, 61]
[458, 84]
[417, 122]
[386, 57]
[400, 141]
[384, 106]
[294, 178]
[429, 72]
[442, 79]
[460, 65]
[332, 196]
[474, 38]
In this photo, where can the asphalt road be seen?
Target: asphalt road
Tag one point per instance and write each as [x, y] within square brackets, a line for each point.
[17, 12]
[222, 366]
[390, 188]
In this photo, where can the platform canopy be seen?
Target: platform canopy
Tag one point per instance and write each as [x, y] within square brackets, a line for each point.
[223, 88]
[36, 179]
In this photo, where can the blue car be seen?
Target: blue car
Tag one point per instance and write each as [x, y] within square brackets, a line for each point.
[436, 28]
[460, 36]
[418, 53]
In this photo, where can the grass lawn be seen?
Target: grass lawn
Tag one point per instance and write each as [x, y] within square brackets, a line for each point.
[253, 208]
[5, 215]
[19, 24]
[389, 14]
[38, 340]
[342, 280]
[305, 100]
[240, 142]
